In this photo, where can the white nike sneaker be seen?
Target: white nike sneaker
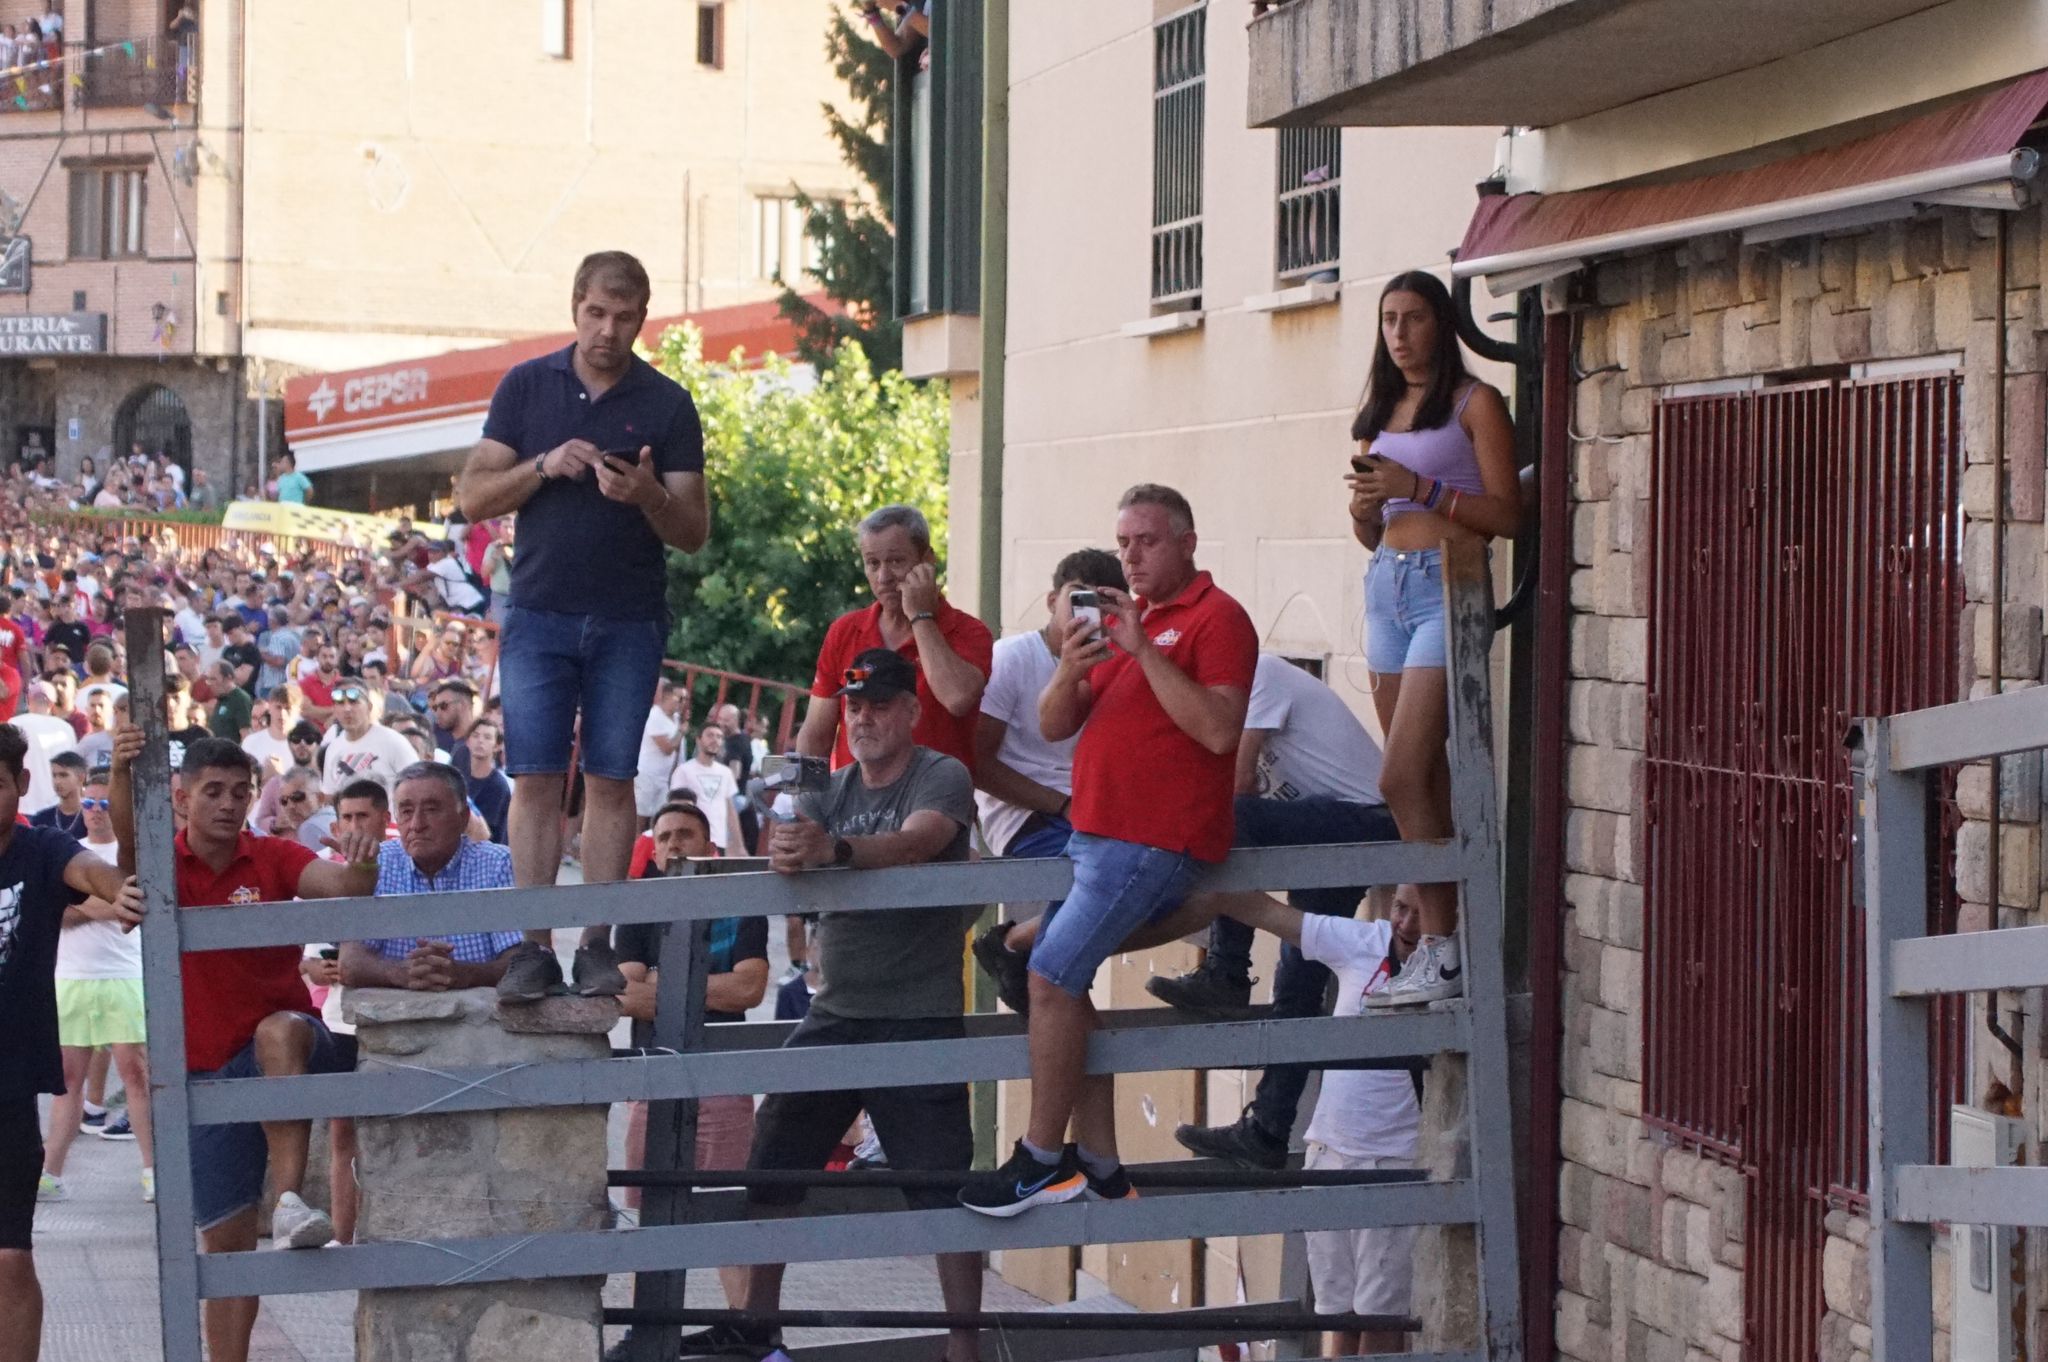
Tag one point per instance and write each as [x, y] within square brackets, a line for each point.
[1433, 974]
[295, 1225]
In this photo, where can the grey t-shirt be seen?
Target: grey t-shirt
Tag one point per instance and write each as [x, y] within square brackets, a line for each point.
[907, 962]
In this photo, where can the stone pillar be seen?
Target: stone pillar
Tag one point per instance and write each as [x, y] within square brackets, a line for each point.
[469, 1174]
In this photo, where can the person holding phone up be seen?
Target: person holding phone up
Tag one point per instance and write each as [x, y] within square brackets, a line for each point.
[602, 458]
[1435, 462]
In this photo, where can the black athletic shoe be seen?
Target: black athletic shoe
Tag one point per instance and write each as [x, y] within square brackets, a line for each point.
[1243, 1142]
[596, 971]
[1205, 993]
[116, 1128]
[1011, 971]
[531, 973]
[1024, 1182]
[1115, 1187]
[732, 1340]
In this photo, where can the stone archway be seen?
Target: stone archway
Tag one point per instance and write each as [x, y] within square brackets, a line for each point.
[154, 417]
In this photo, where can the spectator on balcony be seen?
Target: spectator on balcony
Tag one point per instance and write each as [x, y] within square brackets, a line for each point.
[949, 648]
[593, 448]
[1154, 769]
[887, 977]
[292, 485]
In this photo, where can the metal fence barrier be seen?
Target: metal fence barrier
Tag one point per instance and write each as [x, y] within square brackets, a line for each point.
[1910, 1194]
[683, 1063]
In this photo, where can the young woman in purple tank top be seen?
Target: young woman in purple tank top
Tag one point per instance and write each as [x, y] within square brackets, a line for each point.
[1435, 462]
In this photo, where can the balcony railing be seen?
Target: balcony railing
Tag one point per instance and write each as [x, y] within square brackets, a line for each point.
[1307, 212]
[129, 73]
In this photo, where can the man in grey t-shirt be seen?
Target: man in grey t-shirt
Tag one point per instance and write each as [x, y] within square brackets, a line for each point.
[890, 975]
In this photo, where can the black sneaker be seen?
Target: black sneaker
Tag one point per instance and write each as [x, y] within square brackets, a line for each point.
[1011, 971]
[117, 1128]
[596, 971]
[1244, 1142]
[91, 1122]
[732, 1340]
[531, 973]
[1115, 1187]
[1205, 993]
[1024, 1182]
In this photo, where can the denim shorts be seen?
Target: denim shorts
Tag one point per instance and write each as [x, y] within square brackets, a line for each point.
[1118, 888]
[1404, 610]
[228, 1162]
[552, 665]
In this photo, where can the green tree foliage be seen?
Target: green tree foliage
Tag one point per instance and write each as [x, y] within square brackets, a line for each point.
[856, 243]
[791, 473]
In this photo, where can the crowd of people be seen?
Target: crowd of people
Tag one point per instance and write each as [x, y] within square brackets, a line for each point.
[1139, 733]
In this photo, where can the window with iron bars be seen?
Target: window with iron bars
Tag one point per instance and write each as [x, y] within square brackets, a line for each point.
[1179, 81]
[1310, 167]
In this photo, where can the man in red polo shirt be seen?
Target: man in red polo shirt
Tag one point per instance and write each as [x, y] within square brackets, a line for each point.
[1154, 774]
[950, 648]
[247, 1012]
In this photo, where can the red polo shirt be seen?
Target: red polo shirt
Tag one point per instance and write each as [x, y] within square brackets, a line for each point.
[227, 993]
[1137, 776]
[937, 728]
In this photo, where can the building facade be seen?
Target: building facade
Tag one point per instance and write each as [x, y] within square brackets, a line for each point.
[197, 208]
[1800, 474]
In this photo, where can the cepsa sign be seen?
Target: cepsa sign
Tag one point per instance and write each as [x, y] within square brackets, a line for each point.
[369, 393]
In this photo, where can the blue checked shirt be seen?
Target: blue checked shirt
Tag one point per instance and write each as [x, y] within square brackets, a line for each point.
[477, 865]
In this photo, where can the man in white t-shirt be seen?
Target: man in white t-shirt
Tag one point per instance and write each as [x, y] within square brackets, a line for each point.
[1364, 1118]
[710, 782]
[269, 744]
[362, 749]
[1022, 783]
[660, 740]
[444, 573]
[47, 735]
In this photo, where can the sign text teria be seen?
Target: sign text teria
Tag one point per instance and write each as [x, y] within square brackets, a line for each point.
[53, 333]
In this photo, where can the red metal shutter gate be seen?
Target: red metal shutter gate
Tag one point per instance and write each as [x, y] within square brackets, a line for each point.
[1807, 569]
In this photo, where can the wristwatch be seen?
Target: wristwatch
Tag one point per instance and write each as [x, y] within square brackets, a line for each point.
[842, 851]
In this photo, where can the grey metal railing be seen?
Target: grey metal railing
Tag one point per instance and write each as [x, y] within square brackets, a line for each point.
[129, 73]
[681, 1229]
[1906, 970]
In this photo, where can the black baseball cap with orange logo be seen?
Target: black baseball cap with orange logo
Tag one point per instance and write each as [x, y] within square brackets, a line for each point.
[880, 674]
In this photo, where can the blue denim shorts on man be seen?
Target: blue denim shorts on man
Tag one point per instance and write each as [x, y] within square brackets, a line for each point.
[1118, 888]
[551, 665]
[1404, 610]
[228, 1162]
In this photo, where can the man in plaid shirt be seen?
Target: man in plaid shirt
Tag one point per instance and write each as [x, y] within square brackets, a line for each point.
[430, 807]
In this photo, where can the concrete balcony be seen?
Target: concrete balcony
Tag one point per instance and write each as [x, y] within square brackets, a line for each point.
[1519, 62]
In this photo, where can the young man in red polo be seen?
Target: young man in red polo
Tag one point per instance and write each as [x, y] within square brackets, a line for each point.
[1159, 707]
[247, 1012]
[950, 648]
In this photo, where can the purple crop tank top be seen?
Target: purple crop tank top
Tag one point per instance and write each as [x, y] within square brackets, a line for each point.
[1444, 453]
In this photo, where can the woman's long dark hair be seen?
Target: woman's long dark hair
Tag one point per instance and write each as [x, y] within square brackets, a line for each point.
[1384, 384]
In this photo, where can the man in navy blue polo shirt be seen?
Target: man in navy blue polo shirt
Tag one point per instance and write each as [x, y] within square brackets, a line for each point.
[602, 457]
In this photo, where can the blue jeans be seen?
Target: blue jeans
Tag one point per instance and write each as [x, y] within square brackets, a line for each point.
[229, 1162]
[1300, 983]
[552, 665]
[1118, 888]
[1404, 610]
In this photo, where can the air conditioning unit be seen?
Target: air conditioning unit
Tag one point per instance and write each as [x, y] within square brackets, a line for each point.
[1983, 1259]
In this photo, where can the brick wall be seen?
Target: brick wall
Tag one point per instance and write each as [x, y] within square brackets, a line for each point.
[1651, 1251]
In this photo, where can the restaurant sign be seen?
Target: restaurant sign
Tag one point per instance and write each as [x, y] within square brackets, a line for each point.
[53, 333]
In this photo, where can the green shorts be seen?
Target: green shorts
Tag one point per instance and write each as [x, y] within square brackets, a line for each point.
[95, 1012]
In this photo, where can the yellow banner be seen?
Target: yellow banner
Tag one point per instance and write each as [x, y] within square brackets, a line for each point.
[351, 528]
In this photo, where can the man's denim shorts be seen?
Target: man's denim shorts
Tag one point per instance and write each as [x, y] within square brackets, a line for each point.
[554, 665]
[228, 1162]
[1118, 888]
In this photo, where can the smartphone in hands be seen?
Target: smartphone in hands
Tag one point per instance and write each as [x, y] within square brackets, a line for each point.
[1088, 606]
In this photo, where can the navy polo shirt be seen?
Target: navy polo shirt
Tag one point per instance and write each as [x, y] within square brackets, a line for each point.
[581, 553]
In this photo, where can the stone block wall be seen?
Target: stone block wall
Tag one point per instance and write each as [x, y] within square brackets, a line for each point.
[1652, 1246]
